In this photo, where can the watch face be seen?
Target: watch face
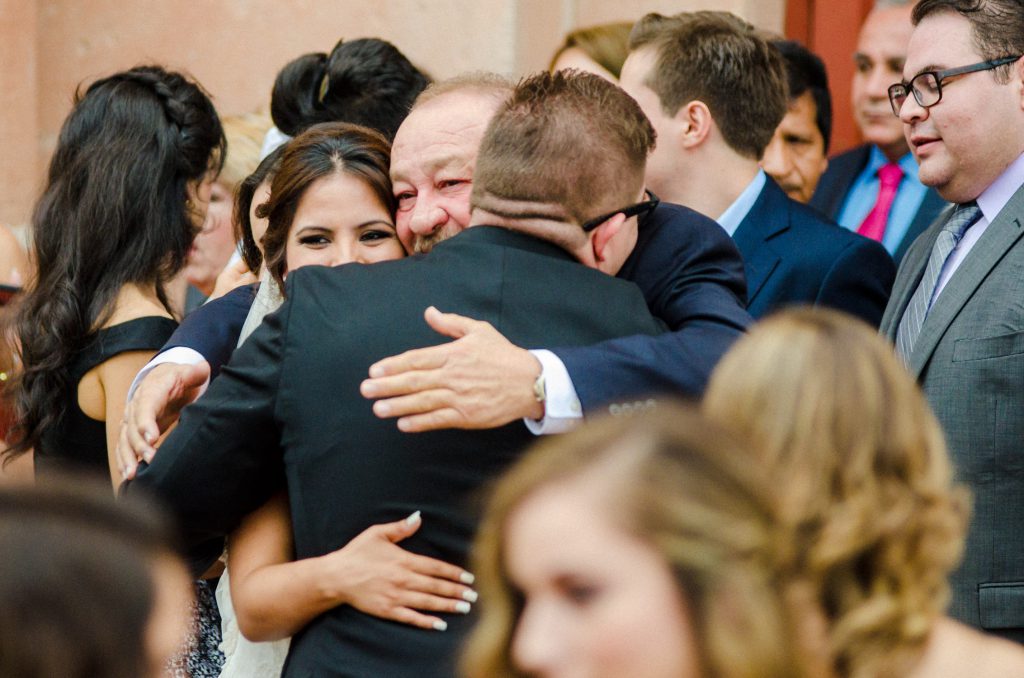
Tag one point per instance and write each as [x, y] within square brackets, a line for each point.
[539, 390]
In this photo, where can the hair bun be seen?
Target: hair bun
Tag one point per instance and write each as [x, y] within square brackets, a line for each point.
[295, 99]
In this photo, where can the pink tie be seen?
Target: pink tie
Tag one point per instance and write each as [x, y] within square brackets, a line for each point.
[874, 223]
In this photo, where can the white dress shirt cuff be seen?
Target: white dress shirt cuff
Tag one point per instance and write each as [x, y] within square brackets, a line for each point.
[562, 408]
[180, 355]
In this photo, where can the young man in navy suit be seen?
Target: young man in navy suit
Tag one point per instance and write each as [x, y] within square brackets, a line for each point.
[715, 92]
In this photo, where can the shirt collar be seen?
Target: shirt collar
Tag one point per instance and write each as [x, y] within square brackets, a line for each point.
[738, 210]
[877, 159]
[994, 198]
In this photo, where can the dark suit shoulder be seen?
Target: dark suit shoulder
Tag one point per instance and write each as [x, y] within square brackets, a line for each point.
[842, 170]
[213, 329]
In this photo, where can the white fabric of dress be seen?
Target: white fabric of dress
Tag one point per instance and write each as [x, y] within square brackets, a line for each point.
[242, 657]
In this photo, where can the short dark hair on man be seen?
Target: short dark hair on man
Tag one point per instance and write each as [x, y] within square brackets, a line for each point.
[719, 59]
[997, 26]
[569, 140]
[805, 72]
[366, 82]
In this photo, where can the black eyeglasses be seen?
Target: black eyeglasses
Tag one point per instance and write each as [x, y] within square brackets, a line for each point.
[927, 86]
[630, 211]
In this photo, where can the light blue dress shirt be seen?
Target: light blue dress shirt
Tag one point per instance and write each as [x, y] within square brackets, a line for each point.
[738, 210]
[863, 195]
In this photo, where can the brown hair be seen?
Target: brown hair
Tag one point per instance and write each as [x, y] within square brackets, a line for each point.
[78, 579]
[606, 44]
[838, 423]
[721, 60]
[320, 151]
[682, 485]
[997, 26]
[570, 141]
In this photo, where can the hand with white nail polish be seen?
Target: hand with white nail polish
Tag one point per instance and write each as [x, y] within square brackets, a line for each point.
[371, 573]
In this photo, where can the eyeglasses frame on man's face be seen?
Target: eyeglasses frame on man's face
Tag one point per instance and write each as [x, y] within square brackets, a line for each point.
[898, 92]
[633, 210]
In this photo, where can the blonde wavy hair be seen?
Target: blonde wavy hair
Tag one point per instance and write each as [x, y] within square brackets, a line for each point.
[861, 466]
[682, 485]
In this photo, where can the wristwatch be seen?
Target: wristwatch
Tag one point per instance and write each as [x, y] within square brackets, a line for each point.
[539, 388]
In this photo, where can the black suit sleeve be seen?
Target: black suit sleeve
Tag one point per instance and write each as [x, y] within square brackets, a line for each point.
[223, 459]
[859, 281]
[692, 278]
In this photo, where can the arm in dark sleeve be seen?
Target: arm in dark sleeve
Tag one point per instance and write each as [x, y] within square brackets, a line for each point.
[860, 281]
[691, 275]
[223, 460]
[212, 330]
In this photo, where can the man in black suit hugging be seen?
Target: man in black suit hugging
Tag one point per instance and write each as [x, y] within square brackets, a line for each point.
[566, 150]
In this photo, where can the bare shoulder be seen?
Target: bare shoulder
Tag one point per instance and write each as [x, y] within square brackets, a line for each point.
[959, 651]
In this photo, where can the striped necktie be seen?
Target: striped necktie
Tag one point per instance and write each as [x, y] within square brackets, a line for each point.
[913, 317]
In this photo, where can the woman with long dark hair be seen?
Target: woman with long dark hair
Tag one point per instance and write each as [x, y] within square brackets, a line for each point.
[127, 187]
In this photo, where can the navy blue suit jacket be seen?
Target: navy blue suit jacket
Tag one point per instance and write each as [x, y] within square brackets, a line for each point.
[835, 183]
[794, 255]
[213, 328]
[691, 275]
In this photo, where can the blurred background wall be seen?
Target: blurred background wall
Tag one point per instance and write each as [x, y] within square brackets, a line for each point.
[236, 47]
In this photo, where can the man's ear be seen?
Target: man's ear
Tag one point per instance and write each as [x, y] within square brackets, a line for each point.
[694, 121]
[603, 235]
[1017, 78]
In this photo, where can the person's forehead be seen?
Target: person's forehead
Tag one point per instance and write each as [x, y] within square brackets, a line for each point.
[940, 41]
[802, 113]
[446, 130]
[885, 33]
[638, 65]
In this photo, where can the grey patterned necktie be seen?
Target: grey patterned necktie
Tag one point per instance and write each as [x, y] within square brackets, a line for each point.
[913, 317]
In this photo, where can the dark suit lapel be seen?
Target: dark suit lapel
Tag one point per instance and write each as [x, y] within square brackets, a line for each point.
[1000, 235]
[835, 183]
[768, 217]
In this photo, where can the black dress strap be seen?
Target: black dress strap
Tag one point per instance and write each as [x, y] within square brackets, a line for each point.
[141, 334]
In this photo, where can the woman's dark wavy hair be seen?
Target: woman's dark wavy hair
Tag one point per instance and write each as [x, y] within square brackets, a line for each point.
[265, 171]
[320, 151]
[366, 82]
[115, 211]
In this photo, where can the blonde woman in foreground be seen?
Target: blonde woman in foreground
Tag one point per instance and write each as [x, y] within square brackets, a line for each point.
[860, 466]
[643, 547]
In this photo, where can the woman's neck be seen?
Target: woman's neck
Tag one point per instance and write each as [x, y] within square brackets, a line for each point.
[136, 301]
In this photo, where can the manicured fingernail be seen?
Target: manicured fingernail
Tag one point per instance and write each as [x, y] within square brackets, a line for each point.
[463, 607]
[124, 471]
[376, 371]
[148, 456]
[471, 596]
[467, 578]
[381, 409]
[413, 518]
[440, 626]
[150, 437]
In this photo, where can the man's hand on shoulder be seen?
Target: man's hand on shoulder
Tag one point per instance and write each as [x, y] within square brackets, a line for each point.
[480, 380]
[154, 407]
